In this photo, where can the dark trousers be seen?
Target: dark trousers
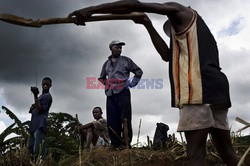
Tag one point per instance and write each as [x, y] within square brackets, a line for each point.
[118, 108]
[35, 142]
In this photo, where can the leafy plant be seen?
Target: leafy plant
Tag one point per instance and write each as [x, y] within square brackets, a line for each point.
[20, 131]
[4, 143]
[61, 140]
[17, 121]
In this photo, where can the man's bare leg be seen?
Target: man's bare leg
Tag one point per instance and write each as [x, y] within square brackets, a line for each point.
[83, 135]
[222, 142]
[196, 146]
[92, 137]
[89, 138]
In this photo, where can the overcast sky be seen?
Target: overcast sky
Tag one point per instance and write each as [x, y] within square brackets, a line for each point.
[69, 54]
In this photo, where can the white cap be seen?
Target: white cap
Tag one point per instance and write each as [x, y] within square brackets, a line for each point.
[116, 42]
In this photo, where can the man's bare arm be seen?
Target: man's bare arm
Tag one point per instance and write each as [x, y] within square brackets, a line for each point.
[179, 15]
[127, 6]
[86, 126]
[159, 44]
[37, 104]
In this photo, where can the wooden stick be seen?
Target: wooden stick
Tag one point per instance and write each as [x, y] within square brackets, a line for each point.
[125, 128]
[149, 142]
[181, 137]
[13, 19]
[80, 144]
[242, 121]
[243, 128]
[139, 130]
[117, 136]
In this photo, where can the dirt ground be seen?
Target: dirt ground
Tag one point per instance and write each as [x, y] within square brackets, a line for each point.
[137, 157]
[174, 154]
[131, 157]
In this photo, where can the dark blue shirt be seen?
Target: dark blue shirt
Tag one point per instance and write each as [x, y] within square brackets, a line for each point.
[39, 119]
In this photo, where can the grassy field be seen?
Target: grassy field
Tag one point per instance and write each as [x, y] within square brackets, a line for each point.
[172, 155]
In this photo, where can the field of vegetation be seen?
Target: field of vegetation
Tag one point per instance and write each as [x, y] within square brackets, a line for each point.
[63, 148]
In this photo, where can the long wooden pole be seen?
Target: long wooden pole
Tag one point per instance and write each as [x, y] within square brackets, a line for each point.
[17, 20]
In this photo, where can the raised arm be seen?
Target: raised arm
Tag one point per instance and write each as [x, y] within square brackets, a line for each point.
[128, 6]
[159, 44]
[174, 11]
[37, 104]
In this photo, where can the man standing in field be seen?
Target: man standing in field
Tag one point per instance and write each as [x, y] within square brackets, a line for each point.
[115, 76]
[39, 115]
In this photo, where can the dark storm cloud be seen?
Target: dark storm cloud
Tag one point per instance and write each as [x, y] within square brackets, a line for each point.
[53, 48]
[66, 53]
[55, 51]
[22, 47]
[36, 9]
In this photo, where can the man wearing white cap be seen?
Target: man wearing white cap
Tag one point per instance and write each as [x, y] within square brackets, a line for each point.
[115, 76]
